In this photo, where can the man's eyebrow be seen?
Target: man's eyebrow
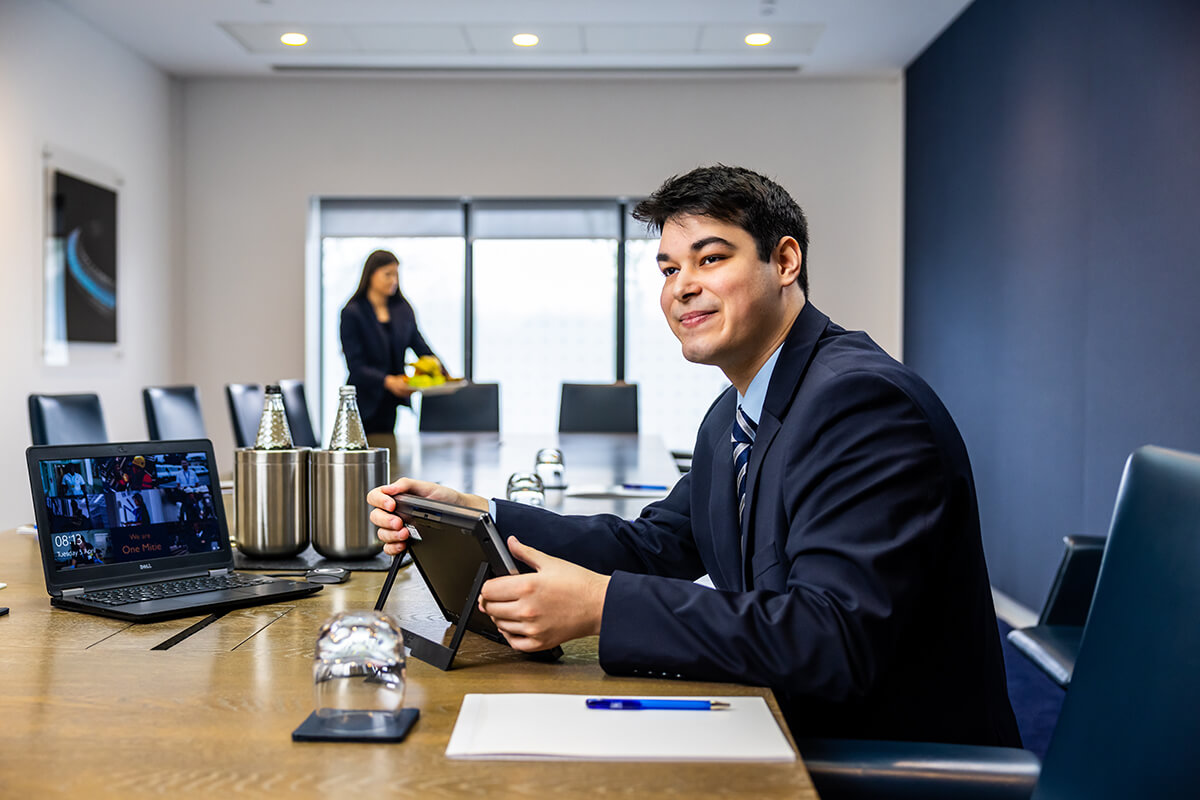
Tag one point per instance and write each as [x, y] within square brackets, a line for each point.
[699, 245]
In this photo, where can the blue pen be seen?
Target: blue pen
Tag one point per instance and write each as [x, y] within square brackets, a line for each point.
[633, 704]
[647, 486]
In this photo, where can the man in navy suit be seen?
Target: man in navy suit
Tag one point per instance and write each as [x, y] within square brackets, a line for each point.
[830, 500]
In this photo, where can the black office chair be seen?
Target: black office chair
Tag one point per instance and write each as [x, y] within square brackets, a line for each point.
[473, 408]
[1053, 644]
[173, 412]
[295, 405]
[683, 460]
[245, 411]
[1128, 726]
[598, 408]
[66, 419]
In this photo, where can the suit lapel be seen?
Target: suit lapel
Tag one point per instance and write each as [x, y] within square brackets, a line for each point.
[374, 330]
[794, 357]
[768, 426]
[722, 512]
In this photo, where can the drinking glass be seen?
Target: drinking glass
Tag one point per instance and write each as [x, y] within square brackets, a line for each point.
[549, 467]
[526, 487]
[359, 671]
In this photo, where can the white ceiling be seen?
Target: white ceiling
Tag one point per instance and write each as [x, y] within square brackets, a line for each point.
[191, 38]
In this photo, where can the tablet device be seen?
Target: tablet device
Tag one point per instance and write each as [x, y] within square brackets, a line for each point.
[448, 543]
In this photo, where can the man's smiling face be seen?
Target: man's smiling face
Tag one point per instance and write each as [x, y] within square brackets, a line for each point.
[721, 301]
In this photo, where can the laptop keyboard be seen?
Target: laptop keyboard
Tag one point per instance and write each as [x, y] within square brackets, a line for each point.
[157, 591]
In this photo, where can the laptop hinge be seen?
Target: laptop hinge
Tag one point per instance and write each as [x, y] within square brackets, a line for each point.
[78, 590]
[215, 572]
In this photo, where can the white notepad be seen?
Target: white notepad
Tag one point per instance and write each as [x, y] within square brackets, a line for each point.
[560, 726]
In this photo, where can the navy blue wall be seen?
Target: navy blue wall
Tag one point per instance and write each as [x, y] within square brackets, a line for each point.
[1052, 288]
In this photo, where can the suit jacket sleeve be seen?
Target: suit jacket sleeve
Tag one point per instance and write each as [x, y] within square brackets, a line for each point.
[418, 344]
[659, 542]
[363, 361]
[861, 503]
[414, 340]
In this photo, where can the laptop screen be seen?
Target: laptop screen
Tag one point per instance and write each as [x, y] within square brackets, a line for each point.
[131, 507]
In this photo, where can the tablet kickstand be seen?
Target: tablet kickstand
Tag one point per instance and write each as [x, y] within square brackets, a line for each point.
[435, 653]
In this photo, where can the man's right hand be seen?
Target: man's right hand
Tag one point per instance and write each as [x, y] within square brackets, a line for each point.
[392, 531]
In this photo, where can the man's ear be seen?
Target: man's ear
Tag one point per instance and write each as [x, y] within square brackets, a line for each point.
[787, 259]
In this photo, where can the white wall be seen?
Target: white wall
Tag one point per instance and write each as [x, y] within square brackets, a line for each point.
[224, 301]
[256, 151]
[62, 83]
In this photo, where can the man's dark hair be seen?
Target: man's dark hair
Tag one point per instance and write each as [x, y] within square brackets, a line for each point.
[737, 196]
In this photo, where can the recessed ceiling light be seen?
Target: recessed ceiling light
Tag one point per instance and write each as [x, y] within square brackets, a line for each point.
[525, 39]
[294, 39]
[758, 39]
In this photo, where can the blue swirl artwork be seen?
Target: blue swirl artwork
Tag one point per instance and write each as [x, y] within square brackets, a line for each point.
[85, 221]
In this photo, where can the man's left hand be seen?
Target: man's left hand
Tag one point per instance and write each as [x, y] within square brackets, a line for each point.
[538, 610]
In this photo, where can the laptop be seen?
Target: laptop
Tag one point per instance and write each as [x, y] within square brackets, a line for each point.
[137, 531]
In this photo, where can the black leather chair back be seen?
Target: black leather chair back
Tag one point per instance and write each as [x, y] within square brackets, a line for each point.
[66, 419]
[296, 406]
[473, 408]
[1053, 644]
[173, 412]
[1071, 593]
[1129, 725]
[245, 411]
[598, 408]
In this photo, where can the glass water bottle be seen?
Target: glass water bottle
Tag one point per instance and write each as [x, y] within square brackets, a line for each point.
[348, 433]
[273, 430]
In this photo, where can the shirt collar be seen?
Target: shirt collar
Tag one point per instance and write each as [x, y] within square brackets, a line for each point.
[756, 393]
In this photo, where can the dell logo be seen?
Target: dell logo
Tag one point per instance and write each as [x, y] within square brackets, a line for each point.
[144, 566]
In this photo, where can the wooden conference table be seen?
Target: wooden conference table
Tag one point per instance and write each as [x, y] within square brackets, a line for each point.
[93, 707]
[481, 463]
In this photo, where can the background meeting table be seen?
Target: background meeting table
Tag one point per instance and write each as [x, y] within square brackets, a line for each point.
[98, 707]
[480, 463]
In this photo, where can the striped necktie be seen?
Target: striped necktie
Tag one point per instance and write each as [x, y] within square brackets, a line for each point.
[742, 439]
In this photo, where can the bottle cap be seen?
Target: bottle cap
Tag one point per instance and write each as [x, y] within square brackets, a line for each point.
[273, 388]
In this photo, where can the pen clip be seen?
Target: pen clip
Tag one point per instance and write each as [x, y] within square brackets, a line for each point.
[611, 703]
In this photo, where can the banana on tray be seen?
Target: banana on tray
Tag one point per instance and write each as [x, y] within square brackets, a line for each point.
[426, 372]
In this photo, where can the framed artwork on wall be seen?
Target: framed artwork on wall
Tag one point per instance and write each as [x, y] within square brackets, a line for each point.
[80, 270]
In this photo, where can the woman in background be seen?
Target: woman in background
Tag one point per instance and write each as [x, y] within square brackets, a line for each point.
[378, 329]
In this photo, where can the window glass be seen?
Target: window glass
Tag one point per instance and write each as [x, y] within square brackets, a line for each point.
[544, 219]
[432, 277]
[544, 304]
[377, 217]
[545, 313]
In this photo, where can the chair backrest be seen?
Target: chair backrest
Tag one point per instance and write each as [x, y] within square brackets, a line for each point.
[1129, 723]
[598, 408]
[173, 412]
[473, 408]
[66, 419]
[245, 411]
[296, 406]
[1075, 583]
